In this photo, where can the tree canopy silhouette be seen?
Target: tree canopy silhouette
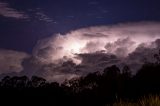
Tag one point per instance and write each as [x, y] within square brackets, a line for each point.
[94, 89]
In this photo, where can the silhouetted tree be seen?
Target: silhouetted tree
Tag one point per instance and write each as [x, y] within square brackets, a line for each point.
[157, 57]
[94, 89]
[37, 82]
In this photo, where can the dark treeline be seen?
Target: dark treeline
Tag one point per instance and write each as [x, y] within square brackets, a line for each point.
[95, 89]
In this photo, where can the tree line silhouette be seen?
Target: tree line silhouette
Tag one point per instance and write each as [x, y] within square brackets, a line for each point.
[94, 89]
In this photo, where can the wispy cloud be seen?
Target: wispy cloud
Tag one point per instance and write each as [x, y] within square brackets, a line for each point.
[7, 11]
[39, 14]
[43, 17]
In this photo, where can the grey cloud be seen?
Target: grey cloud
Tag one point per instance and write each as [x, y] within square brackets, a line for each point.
[94, 35]
[68, 69]
[10, 61]
[93, 58]
[96, 61]
[156, 44]
[7, 11]
[121, 47]
[52, 72]
[143, 53]
[92, 46]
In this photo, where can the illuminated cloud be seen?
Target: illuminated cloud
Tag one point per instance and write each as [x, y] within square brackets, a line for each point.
[119, 40]
[92, 49]
[86, 50]
[7, 11]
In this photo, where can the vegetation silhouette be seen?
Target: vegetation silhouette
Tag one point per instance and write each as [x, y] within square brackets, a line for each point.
[94, 89]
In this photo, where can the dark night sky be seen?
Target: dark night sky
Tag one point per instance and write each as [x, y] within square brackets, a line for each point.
[24, 22]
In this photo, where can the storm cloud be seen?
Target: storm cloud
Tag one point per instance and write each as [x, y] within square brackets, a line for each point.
[119, 40]
[86, 50]
[92, 49]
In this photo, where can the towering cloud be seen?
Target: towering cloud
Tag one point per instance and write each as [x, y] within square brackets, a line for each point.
[92, 49]
[86, 50]
[119, 40]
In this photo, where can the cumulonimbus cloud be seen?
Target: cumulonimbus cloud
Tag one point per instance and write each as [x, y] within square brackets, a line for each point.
[119, 40]
[94, 48]
[86, 50]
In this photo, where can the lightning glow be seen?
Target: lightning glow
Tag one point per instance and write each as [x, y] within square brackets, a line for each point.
[119, 40]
